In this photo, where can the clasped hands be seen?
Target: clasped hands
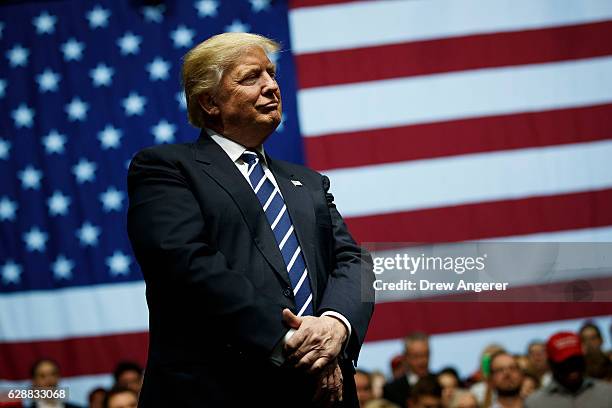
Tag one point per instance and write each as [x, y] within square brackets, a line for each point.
[314, 347]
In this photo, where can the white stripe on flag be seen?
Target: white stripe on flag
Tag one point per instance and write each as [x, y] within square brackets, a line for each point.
[472, 178]
[387, 22]
[89, 311]
[457, 95]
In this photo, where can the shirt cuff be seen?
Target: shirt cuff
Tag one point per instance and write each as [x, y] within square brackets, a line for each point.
[343, 320]
[277, 356]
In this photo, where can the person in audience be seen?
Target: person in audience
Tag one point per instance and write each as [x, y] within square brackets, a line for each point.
[45, 374]
[363, 383]
[378, 383]
[426, 393]
[569, 387]
[121, 397]
[416, 359]
[449, 381]
[530, 384]
[398, 366]
[96, 397]
[479, 380]
[590, 337]
[128, 375]
[463, 399]
[538, 361]
[506, 379]
[598, 365]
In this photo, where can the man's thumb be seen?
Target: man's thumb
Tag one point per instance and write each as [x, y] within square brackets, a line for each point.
[292, 320]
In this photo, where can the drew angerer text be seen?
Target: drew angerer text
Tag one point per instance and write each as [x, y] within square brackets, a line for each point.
[425, 285]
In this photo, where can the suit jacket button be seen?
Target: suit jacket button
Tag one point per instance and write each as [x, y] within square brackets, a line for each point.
[287, 292]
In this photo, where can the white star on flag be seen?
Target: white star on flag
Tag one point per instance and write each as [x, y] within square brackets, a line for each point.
[182, 36]
[206, 8]
[129, 43]
[48, 80]
[73, 50]
[163, 132]
[110, 137]
[77, 109]
[98, 17]
[8, 208]
[84, 171]
[134, 104]
[238, 26]
[5, 148]
[154, 14]
[30, 178]
[118, 263]
[102, 75]
[158, 69]
[35, 239]
[58, 204]
[88, 234]
[18, 56]
[181, 99]
[259, 5]
[62, 268]
[44, 23]
[111, 199]
[11, 272]
[23, 116]
[54, 142]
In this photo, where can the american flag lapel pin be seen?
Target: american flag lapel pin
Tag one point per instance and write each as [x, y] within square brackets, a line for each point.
[296, 183]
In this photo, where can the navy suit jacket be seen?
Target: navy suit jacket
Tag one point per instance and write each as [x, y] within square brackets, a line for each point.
[216, 282]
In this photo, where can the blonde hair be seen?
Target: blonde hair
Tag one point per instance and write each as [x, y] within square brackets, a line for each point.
[204, 64]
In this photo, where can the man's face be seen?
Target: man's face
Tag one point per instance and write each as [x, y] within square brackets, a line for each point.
[538, 358]
[123, 400]
[569, 373]
[248, 102]
[426, 401]
[364, 388]
[131, 380]
[590, 339]
[46, 375]
[417, 357]
[506, 376]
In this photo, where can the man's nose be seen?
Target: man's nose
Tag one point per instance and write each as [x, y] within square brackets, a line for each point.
[270, 85]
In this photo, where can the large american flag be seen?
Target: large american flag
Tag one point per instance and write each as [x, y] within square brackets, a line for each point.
[436, 121]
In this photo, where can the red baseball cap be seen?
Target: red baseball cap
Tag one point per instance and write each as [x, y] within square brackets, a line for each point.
[562, 346]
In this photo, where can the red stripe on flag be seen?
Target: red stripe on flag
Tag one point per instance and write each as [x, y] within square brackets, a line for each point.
[456, 137]
[454, 54]
[397, 319]
[75, 356]
[488, 220]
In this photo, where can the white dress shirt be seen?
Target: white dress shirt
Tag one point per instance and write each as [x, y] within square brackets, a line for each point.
[234, 151]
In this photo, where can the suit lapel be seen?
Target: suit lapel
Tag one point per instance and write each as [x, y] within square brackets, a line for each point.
[219, 166]
[301, 209]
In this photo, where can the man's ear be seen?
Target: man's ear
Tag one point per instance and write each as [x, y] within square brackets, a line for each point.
[208, 104]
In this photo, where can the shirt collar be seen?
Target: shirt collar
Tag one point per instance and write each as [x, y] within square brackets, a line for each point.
[233, 149]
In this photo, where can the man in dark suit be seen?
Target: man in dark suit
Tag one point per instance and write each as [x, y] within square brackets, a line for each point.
[257, 293]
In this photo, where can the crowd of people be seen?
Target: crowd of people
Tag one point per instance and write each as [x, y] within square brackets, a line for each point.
[568, 370]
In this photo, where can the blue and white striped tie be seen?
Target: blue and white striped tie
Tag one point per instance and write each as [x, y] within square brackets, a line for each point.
[276, 212]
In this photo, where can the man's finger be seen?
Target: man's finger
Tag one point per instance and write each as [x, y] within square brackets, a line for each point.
[291, 320]
[319, 364]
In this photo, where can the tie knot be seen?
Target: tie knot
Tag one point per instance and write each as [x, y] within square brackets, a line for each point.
[249, 157]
